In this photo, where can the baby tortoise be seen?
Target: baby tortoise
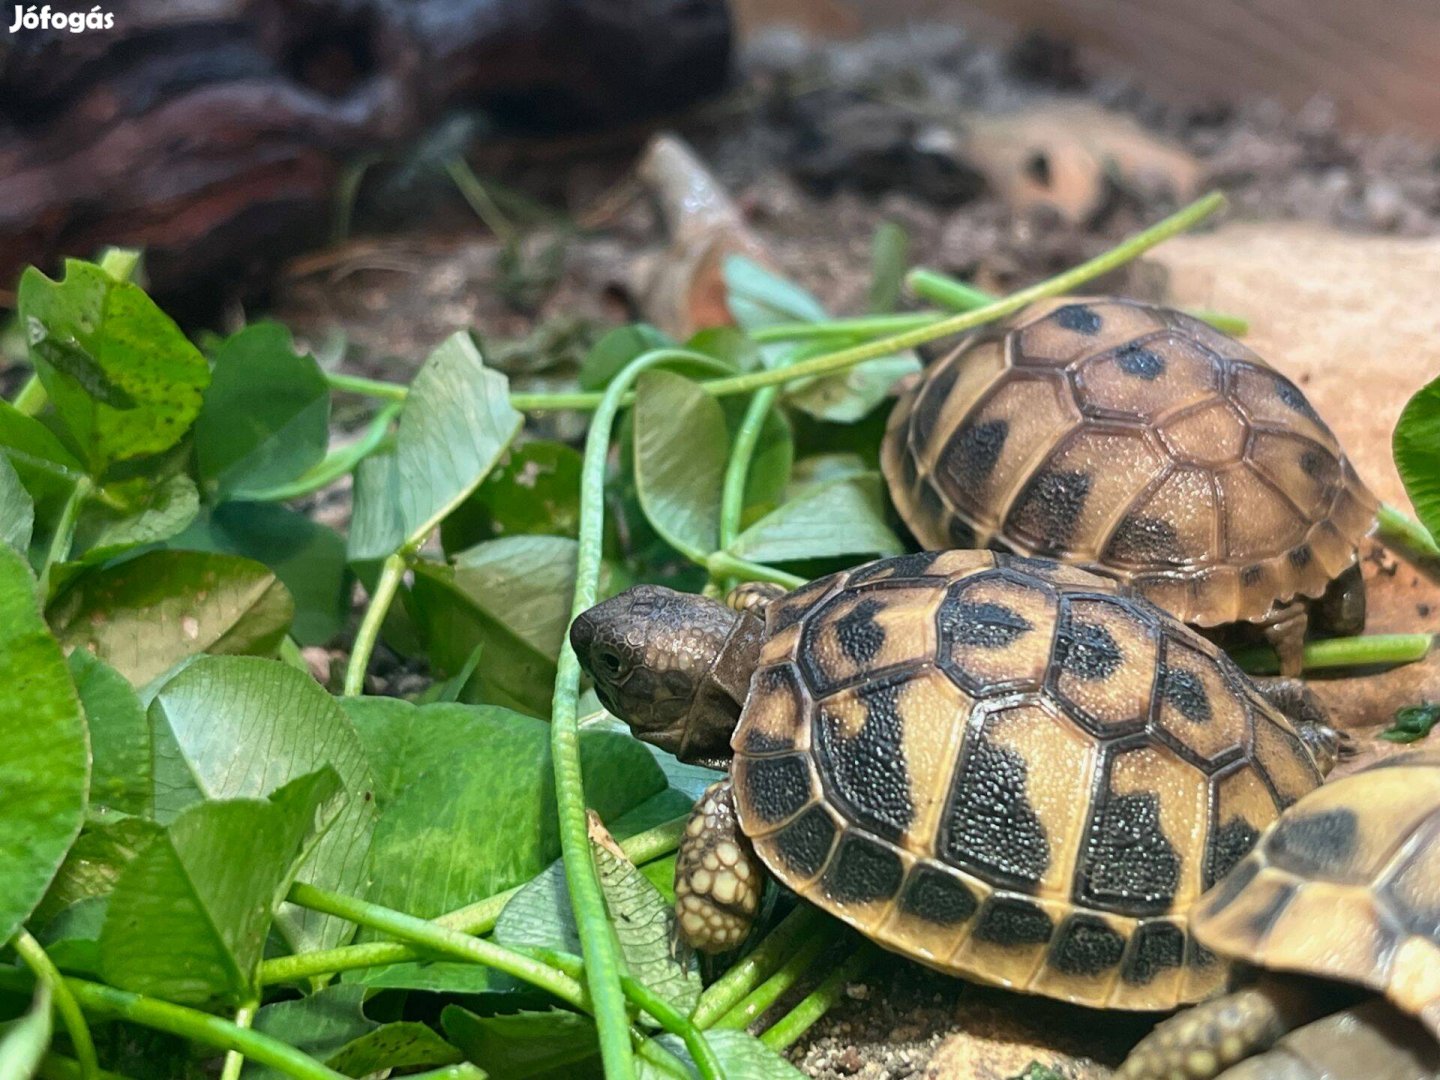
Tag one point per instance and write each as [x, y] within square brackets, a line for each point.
[1006, 768]
[1139, 441]
[1339, 902]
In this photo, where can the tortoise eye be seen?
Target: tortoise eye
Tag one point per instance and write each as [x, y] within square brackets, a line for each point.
[608, 661]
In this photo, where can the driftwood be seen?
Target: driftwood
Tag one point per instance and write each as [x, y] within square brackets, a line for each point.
[212, 132]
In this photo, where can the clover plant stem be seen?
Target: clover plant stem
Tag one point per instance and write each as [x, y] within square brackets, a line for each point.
[665, 1014]
[597, 938]
[746, 974]
[335, 464]
[64, 536]
[1402, 534]
[788, 1030]
[31, 397]
[199, 1027]
[1368, 650]
[723, 564]
[477, 918]
[865, 326]
[769, 991]
[1234, 325]
[946, 291]
[38, 961]
[357, 384]
[234, 1059]
[474, 191]
[391, 574]
[737, 469]
[434, 939]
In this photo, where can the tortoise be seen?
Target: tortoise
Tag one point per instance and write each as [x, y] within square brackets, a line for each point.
[1137, 440]
[1006, 768]
[1334, 922]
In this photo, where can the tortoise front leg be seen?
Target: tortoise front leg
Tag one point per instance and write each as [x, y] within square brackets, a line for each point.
[751, 597]
[718, 878]
[1285, 631]
[1206, 1039]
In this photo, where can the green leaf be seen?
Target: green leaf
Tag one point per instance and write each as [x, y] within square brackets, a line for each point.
[456, 422]
[133, 514]
[266, 416]
[889, 257]
[94, 862]
[72, 938]
[145, 615]
[850, 395]
[511, 599]
[729, 344]
[332, 1027]
[742, 1056]
[239, 727]
[771, 465]
[121, 775]
[535, 490]
[1413, 723]
[1037, 1071]
[403, 742]
[608, 356]
[376, 527]
[17, 509]
[540, 916]
[307, 557]
[23, 1043]
[525, 1045]
[757, 297]
[123, 378]
[680, 448]
[1417, 453]
[843, 517]
[466, 829]
[188, 917]
[44, 466]
[45, 766]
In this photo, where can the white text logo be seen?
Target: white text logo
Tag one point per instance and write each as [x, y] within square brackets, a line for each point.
[42, 18]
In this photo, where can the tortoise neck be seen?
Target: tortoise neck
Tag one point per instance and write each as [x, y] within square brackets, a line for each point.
[721, 694]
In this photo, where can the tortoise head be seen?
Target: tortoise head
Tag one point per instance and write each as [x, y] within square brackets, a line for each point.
[674, 666]
[1298, 703]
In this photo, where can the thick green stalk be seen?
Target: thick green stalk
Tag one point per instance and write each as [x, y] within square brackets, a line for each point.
[1368, 650]
[478, 196]
[748, 973]
[199, 1027]
[946, 291]
[723, 564]
[431, 938]
[769, 991]
[1234, 325]
[38, 961]
[1405, 536]
[602, 955]
[234, 1059]
[864, 326]
[788, 1030]
[737, 469]
[358, 384]
[391, 574]
[476, 918]
[640, 995]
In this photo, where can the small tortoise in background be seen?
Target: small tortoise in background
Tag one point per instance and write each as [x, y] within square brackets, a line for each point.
[1005, 768]
[1138, 441]
[1339, 901]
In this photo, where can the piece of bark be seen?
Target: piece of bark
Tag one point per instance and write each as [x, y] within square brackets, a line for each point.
[1067, 155]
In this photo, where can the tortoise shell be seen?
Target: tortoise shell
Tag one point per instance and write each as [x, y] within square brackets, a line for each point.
[1115, 434]
[1345, 886]
[1009, 769]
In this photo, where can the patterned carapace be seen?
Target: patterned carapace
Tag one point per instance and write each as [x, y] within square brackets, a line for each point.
[1111, 433]
[1009, 769]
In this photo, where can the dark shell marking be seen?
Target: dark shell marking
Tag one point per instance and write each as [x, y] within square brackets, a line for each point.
[1008, 769]
[1112, 433]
